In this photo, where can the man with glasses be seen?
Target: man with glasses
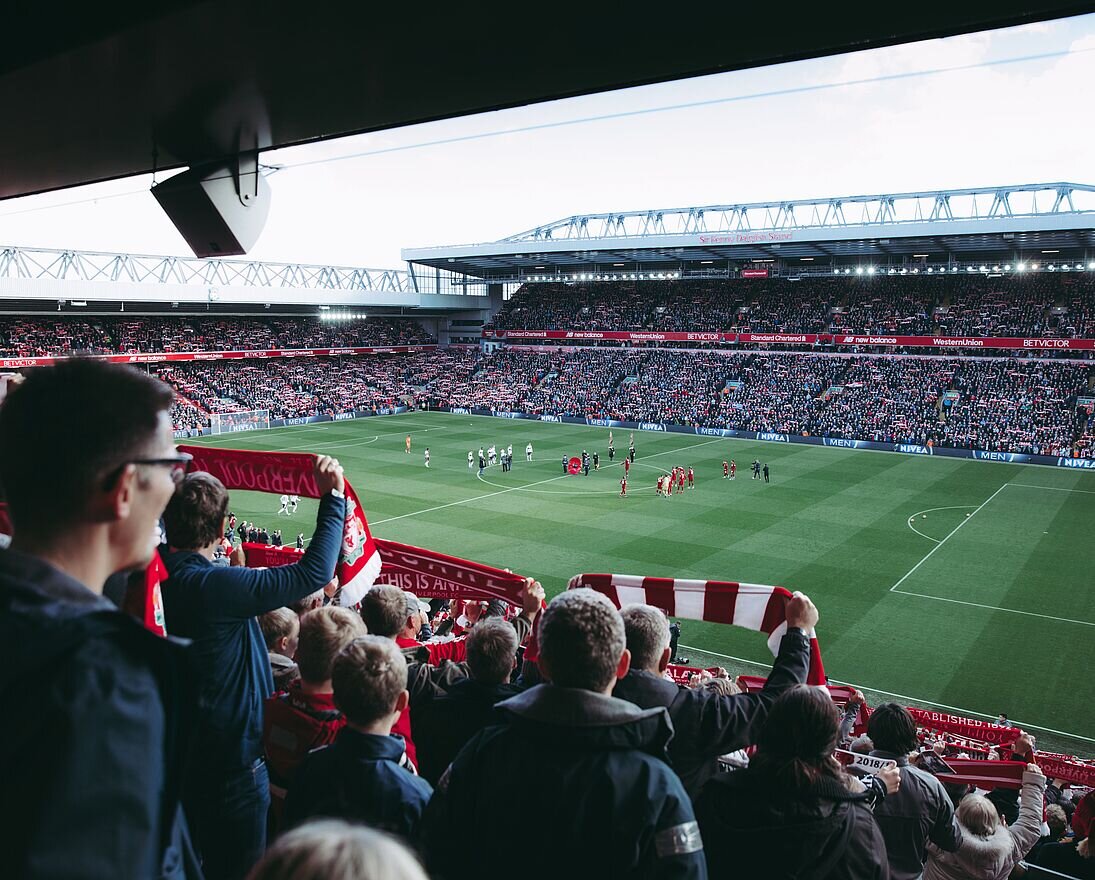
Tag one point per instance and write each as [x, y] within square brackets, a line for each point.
[227, 787]
[95, 736]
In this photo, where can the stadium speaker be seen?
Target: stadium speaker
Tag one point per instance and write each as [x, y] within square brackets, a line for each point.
[219, 209]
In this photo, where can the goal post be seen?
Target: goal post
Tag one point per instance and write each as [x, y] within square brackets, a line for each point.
[248, 420]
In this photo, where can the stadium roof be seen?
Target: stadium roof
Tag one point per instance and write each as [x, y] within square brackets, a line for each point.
[938, 227]
[95, 91]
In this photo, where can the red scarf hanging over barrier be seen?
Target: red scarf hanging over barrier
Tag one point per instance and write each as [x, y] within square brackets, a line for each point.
[1056, 767]
[426, 573]
[432, 575]
[757, 607]
[982, 731]
[292, 473]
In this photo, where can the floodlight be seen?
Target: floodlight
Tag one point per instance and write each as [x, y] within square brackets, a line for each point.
[858, 270]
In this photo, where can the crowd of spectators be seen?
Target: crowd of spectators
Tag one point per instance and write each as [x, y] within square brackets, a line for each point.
[56, 336]
[1033, 305]
[383, 751]
[995, 404]
[302, 387]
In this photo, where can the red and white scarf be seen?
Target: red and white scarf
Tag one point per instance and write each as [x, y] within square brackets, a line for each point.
[292, 473]
[758, 607]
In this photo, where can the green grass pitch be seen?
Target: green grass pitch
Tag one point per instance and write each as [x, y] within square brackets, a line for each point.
[952, 583]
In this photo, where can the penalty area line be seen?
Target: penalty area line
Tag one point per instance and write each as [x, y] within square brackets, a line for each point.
[913, 700]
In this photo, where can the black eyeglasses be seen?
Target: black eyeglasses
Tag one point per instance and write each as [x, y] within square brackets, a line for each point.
[178, 464]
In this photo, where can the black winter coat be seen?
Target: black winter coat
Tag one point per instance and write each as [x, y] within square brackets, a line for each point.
[752, 828]
[706, 725]
[589, 766]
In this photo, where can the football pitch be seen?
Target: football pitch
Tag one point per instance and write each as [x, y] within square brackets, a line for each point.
[953, 584]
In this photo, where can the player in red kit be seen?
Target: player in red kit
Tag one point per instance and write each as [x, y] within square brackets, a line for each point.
[627, 466]
[733, 468]
[623, 486]
[680, 479]
[691, 478]
[726, 470]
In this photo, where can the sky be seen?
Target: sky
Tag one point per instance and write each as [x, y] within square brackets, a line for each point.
[864, 123]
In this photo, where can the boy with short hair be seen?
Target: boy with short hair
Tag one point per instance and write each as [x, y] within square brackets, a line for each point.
[281, 630]
[365, 775]
[305, 716]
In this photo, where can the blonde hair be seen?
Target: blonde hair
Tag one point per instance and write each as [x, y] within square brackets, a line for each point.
[323, 633]
[335, 850]
[978, 815]
[277, 625]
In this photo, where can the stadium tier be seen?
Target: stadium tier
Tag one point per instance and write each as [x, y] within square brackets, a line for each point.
[995, 404]
[25, 337]
[1042, 305]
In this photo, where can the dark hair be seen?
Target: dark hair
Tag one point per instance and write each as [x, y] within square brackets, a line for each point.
[492, 647]
[81, 420]
[797, 741]
[368, 675]
[384, 610]
[892, 729]
[194, 516]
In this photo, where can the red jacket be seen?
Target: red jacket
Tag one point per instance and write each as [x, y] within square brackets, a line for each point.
[294, 724]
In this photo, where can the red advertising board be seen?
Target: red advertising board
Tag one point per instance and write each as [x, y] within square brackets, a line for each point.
[610, 335]
[174, 356]
[754, 273]
[777, 338]
[835, 339]
[1025, 343]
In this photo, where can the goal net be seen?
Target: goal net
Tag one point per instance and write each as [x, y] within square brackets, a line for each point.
[248, 420]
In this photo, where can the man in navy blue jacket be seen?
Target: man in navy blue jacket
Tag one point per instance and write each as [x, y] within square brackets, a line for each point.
[568, 750]
[227, 787]
[94, 702]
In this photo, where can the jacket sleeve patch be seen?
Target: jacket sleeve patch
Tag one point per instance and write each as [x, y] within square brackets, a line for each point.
[678, 840]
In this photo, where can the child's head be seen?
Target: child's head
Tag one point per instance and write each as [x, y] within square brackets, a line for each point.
[370, 681]
[323, 633]
[280, 630]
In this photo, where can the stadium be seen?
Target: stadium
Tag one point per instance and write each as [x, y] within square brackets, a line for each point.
[883, 401]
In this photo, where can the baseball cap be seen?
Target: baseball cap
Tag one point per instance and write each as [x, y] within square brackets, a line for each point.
[414, 604]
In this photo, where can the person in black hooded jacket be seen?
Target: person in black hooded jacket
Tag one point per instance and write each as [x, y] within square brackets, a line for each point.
[706, 724]
[792, 814]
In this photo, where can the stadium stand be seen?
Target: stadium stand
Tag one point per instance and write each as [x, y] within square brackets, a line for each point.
[46, 337]
[988, 402]
[995, 404]
[964, 305]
